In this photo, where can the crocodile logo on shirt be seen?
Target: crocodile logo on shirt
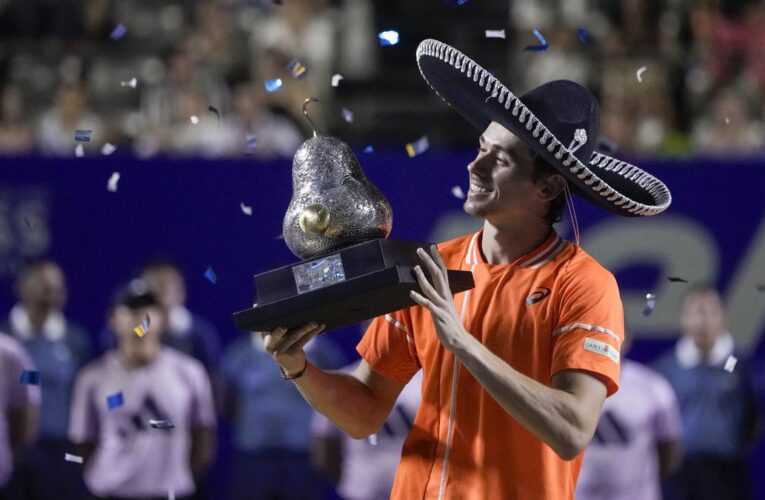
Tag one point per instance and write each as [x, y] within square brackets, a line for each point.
[537, 295]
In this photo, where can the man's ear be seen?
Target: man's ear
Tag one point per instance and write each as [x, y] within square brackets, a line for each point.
[551, 186]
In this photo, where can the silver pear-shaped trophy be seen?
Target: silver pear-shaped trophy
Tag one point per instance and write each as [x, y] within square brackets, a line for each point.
[337, 222]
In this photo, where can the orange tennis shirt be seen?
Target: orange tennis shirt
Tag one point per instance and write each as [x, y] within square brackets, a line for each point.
[553, 309]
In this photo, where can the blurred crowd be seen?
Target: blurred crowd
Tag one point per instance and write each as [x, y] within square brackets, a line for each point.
[189, 78]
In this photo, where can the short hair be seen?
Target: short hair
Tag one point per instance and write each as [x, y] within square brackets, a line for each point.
[134, 295]
[700, 289]
[543, 169]
[34, 264]
[159, 264]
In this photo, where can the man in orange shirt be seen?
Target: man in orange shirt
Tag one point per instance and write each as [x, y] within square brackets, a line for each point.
[515, 371]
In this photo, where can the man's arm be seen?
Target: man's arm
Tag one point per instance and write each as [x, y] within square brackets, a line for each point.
[22, 428]
[564, 416]
[670, 456]
[202, 450]
[357, 403]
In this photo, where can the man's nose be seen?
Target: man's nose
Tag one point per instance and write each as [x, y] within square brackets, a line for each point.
[479, 164]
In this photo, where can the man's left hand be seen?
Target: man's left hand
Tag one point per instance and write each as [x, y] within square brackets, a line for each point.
[437, 298]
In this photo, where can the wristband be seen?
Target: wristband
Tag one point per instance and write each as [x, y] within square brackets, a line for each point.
[299, 374]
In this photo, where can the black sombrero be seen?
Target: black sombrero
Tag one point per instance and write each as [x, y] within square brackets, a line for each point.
[558, 120]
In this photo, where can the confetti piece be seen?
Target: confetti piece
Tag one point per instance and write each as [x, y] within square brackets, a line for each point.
[273, 85]
[543, 45]
[252, 143]
[347, 115]
[297, 69]
[215, 111]
[82, 135]
[29, 377]
[336, 79]
[118, 32]
[639, 73]
[369, 149]
[108, 149]
[372, 439]
[456, 2]
[650, 303]
[389, 37]
[584, 38]
[730, 363]
[161, 424]
[143, 328]
[210, 275]
[495, 34]
[279, 236]
[111, 184]
[115, 401]
[418, 147]
[79, 151]
[675, 279]
[73, 458]
[458, 192]
[132, 83]
[194, 119]
[245, 209]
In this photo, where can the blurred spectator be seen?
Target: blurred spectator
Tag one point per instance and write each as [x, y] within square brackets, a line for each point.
[729, 126]
[126, 454]
[58, 348]
[15, 133]
[19, 404]
[717, 403]
[363, 469]
[637, 440]
[271, 422]
[55, 134]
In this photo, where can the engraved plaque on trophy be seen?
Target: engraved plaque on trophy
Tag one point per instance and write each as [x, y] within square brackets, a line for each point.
[337, 222]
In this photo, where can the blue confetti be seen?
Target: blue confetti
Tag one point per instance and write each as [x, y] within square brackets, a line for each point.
[347, 115]
[82, 135]
[543, 45]
[418, 147]
[118, 32]
[115, 401]
[273, 85]
[369, 149]
[584, 38]
[389, 37]
[29, 377]
[252, 143]
[455, 2]
[210, 275]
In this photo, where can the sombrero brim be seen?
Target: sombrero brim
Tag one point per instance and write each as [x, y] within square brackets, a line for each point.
[480, 98]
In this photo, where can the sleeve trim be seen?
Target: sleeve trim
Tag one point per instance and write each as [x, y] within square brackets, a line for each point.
[590, 328]
[401, 327]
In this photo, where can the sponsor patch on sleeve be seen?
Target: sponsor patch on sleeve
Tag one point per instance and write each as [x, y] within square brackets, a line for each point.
[602, 348]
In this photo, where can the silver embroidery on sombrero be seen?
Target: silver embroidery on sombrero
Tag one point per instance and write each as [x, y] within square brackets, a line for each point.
[580, 138]
[653, 186]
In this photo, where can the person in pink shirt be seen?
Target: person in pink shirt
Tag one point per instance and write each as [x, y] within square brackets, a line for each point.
[19, 403]
[143, 414]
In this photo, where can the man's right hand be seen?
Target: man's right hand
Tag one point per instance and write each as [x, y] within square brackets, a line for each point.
[286, 346]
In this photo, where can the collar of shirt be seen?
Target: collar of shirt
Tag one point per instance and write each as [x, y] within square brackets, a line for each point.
[53, 329]
[180, 321]
[689, 355]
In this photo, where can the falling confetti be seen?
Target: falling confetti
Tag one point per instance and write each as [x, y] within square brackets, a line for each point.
[347, 115]
[251, 143]
[132, 83]
[114, 401]
[650, 303]
[336, 79]
[495, 34]
[79, 151]
[73, 458]
[458, 192]
[245, 209]
[29, 377]
[455, 2]
[372, 439]
[639, 73]
[111, 184]
[108, 149]
[194, 119]
[297, 69]
[584, 38]
[118, 32]
[730, 363]
[418, 147]
[143, 328]
[161, 424]
[543, 45]
[389, 37]
[214, 110]
[369, 149]
[675, 279]
[210, 275]
[273, 85]
[82, 135]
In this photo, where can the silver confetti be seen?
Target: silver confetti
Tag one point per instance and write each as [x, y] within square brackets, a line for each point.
[161, 424]
[458, 192]
[108, 149]
[111, 185]
[194, 119]
[372, 439]
[650, 303]
[132, 83]
[730, 363]
[79, 151]
[246, 210]
[639, 73]
[336, 79]
[495, 34]
[72, 458]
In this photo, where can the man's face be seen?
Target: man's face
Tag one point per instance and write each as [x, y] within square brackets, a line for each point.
[502, 188]
[140, 350]
[702, 318]
[43, 288]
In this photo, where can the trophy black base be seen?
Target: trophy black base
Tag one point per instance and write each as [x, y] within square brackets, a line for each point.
[351, 285]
